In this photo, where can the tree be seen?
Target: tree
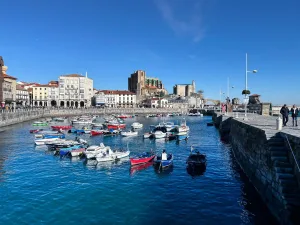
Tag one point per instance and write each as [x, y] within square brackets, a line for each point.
[161, 94]
[246, 92]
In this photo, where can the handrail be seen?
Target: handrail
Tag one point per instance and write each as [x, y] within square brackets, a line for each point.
[292, 153]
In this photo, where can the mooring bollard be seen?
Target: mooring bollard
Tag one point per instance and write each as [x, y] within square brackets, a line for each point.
[279, 123]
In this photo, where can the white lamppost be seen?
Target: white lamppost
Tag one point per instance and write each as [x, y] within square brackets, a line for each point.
[246, 84]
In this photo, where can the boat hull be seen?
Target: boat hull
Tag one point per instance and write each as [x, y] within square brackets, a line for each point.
[137, 161]
[116, 127]
[61, 127]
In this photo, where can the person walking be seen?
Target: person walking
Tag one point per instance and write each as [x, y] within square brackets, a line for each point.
[295, 112]
[284, 111]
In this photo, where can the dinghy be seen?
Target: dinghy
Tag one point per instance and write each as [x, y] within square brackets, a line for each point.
[162, 164]
[129, 133]
[137, 125]
[112, 155]
[142, 158]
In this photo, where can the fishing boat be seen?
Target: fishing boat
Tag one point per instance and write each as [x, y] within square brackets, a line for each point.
[182, 127]
[142, 158]
[129, 133]
[137, 125]
[82, 122]
[196, 159]
[94, 150]
[96, 132]
[181, 136]
[40, 123]
[112, 155]
[44, 141]
[162, 164]
[159, 134]
[61, 127]
[115, 126]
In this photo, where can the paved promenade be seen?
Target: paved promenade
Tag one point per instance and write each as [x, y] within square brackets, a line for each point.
[267, 123]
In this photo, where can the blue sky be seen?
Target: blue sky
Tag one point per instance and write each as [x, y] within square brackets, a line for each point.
[175, 40]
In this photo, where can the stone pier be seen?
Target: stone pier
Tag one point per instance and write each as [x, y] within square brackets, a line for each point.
[266, 157]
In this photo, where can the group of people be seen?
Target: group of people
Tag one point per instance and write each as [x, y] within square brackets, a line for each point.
[284, 111]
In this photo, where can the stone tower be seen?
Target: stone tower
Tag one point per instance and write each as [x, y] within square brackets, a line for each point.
[194, 87]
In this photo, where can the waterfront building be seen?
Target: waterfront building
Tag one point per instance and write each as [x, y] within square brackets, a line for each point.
[144, 86]
[184, 89]
[100, 99]
[116, 98]
[75, 91]
[156, 103]
[22, 96]
[9, 86]
[179, 102]
[40, 95]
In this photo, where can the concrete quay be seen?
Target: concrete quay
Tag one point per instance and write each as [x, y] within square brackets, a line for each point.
[270, 158]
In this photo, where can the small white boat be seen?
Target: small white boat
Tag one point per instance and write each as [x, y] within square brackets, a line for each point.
[45, 141]
[137, 125]
[129, 133]
[111, 156]
[147, 135]
[97, 125]
[159, 134]
[94, 150]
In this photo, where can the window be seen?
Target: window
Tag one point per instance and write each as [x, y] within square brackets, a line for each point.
[40, 88]
[62, 86]
[82, 96]
[81, 91]
[45, 89]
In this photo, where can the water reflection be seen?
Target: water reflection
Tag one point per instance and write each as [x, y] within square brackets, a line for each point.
[136, 168]
[195, 171]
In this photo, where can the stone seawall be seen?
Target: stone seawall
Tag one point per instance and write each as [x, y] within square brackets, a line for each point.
[263, 154]
[10, 118]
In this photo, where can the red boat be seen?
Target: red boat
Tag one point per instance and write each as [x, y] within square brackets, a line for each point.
[35, 131]
[61, 127]
[122, 116]
[144, 158]
[116, 126]
[96, 132]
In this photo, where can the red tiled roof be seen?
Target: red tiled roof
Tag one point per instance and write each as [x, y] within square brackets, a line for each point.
[72, 75]
[9, 77]
[116, 92]
[20, 87]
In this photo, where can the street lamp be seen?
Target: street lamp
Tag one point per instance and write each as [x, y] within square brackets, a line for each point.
[246, 84]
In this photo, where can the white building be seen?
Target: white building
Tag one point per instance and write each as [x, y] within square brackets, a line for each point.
[75, 91]
[156, 103]
[100, 99]
[22, 96]
[116, 98]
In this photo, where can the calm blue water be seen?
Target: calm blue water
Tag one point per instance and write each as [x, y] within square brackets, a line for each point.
[39, 188]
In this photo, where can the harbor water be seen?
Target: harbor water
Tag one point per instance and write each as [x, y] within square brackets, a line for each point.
[37, 187]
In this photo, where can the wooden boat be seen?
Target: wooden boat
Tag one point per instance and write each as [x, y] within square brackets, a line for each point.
[161, 164]
[115, 126]
[61, 127]
[40, 123]
[96, 132]
[142, 158]
[196, 159]
[129, 133]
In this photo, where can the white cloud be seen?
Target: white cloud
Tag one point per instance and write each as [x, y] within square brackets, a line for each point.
[190, 26]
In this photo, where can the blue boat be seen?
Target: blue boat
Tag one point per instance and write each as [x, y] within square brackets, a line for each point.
[46, 136]
[162, 164]
[65, 151]
[182, 136]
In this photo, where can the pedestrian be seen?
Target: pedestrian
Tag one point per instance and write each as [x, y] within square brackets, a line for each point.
[295, 112]
[284, 111]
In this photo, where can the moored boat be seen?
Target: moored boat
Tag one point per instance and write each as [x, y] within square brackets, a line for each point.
[115, 126]
[112, 155]
[96, 132]
[148, 135]
[142, 158]
[137, 125]
[94, 150]
[161, 164]
[129, 133]
[159, 134]
[40, 123]
[196, 159]
[181, 136]
[61, 127]
[44, 141]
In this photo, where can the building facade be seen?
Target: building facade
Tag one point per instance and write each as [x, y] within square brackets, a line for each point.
[116, 99]
[143, 87]
[9, 85]
[40, 95]
[184, 89]
[100, 99]
[75, 91]
[22, 96]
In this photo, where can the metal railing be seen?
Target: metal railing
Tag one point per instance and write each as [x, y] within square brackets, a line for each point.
[292, 153]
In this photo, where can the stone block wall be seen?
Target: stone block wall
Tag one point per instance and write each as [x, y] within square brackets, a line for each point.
[250, 147]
